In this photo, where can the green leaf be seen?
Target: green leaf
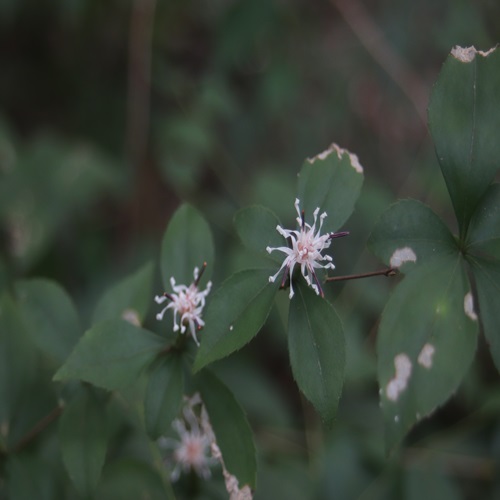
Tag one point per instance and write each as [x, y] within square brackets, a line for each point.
[31, 475]
[112, 355]
[187, 244]
[487, 275]
[83, 436]
[484, 231]
[426, 342]
[49, 316]
[232, 431]
[132, 479]
[408, 234]
[129, 299]
[317, 350]
[464, 117]
[164, 394]
[42, 201]
[331, 181]
[18, 365]
[256, 227]
[236, 313]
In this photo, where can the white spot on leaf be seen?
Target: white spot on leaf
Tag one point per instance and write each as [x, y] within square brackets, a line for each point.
[131, 316]
[398, 384]
[355, 163]
[353, 158]
[467, 54]
[463, 54]
[469, 307]
[403, 366]
[425, 356]
[324, 155]
[231, 327]
[402, 255]
[393, 389]
[396, 418]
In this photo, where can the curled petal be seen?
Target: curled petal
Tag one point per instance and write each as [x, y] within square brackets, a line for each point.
[159, 299]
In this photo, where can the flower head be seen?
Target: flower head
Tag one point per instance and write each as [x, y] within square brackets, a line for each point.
[306, 251]
[187, 302]
[193, 448]
[197, 448]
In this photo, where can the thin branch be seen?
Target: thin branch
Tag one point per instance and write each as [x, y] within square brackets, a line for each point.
[389, 272]
[38, 428]
[377, 45]
[341, 234]
[139, 80]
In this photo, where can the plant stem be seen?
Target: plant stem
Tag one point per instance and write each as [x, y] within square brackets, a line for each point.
[139, 80]
[378, 46]
[38, 428]
[389, 271]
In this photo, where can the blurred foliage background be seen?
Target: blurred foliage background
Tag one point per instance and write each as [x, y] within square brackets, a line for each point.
[112, 112]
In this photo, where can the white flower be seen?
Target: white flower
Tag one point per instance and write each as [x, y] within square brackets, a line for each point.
[193, 449]
[187, 302]
[197, 448]
[307, 245]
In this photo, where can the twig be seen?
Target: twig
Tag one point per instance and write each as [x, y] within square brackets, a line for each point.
[376, 44]
[139, 80]
[38, 428]
[389, 272]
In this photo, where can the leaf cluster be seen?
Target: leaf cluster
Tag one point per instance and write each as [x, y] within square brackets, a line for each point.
[451, 288]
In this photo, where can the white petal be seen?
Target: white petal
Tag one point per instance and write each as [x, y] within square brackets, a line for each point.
[159, 299]
[195, 338]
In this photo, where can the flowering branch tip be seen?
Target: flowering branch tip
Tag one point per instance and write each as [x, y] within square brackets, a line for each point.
[307, 245]
[187, 302]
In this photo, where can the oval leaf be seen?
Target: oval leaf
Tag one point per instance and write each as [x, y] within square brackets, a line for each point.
[408, 234]
[256, 227]
[49, 316]
[18, 366]
[331, 181]
[426, 342]
[484, 231]
[317, 350]
[112, 354]
[231, 428]
[487, 275]
[187, 244]
[235, 314]
[83, 437]
[163, 394]
[129, 299]
[464, 117]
